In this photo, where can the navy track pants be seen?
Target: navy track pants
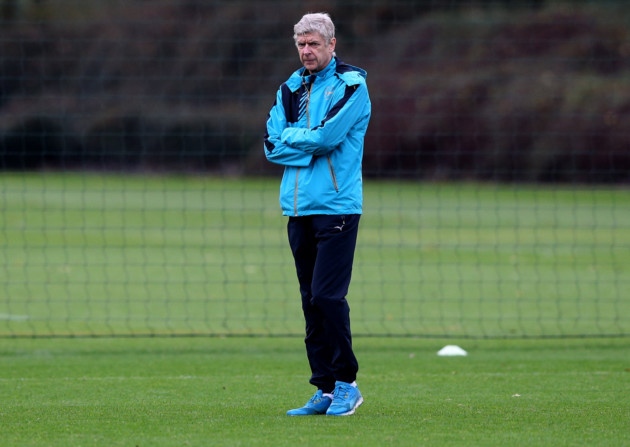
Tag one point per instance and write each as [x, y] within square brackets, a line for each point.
[323, 249]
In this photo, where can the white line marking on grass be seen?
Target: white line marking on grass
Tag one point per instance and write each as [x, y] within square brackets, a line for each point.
[12, 317]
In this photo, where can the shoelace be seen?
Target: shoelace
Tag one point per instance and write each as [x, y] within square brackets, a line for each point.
[316, 398]
[342, 391]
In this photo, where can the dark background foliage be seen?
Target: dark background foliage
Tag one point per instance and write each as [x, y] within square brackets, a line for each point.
[527, 90]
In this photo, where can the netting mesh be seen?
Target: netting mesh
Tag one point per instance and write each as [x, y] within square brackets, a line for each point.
[135, 198]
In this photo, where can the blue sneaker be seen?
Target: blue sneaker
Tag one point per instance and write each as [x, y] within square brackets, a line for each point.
[318, 404]
[346, 399]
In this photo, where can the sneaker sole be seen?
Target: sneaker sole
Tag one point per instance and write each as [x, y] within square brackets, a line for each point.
[305, 414]
[359, 402]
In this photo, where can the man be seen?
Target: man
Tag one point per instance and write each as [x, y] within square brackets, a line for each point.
[316, 129]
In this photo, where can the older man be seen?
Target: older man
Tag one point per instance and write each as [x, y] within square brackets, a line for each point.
[316, 129]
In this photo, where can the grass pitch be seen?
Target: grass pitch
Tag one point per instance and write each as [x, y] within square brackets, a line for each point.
[95, 254]
[116, 256]
[234, 392]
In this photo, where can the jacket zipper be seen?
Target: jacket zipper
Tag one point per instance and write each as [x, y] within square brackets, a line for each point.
[295, 193]
[308, 126]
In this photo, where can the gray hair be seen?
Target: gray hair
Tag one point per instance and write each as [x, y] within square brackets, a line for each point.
[319, 22]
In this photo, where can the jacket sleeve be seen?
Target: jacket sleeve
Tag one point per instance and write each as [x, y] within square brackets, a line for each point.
[277, 151]
[330, 133]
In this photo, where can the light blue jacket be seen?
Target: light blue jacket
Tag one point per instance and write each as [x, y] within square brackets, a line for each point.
[316, 129]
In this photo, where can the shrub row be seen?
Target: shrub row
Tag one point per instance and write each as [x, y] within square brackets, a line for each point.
[527, 95]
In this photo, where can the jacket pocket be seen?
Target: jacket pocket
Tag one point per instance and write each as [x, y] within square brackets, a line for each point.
[333, 176]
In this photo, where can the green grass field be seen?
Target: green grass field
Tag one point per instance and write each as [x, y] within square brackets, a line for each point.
[531, 281]
[234, 392]
[125, 254]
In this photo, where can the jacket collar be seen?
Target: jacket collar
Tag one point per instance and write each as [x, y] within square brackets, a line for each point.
[302, 76]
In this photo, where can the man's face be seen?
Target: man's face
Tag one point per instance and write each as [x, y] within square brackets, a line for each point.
[314, 52]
